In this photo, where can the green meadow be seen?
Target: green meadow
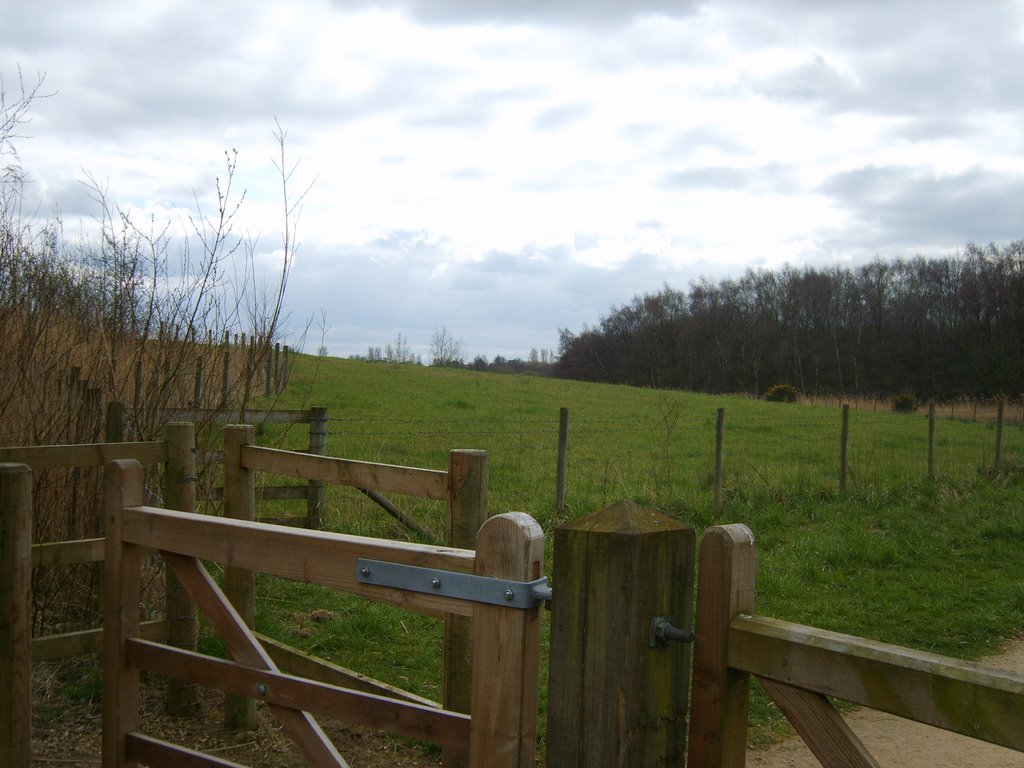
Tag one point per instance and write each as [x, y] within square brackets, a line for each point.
[934, 565]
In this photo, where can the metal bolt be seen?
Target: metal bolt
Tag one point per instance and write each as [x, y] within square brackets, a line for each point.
[261, 688]
[365, 572]
[435, 583]
[509, 594]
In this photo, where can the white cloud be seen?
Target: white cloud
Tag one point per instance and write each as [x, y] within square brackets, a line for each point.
[513, 168]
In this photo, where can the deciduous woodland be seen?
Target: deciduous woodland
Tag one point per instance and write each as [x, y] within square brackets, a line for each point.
[937, 328]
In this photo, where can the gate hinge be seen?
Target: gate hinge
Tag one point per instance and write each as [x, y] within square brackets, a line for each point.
[461, 586]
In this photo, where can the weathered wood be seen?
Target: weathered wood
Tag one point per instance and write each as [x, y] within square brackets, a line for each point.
[822, 728]
[506, 649]
[411, 481]
[278, 689]
[84, 641]
[180, 494]
[239, 582]
[467, 511]
[720, 701]
[156, 752]
[85, 454]
[316, 557]
[123, 485]
[719, 460]
[316, 496]
[243, 647]
[402, 517]
[965, 697]
[562, 466]
[613, 699]
[292, 661]
[68, 552]
[15, 602]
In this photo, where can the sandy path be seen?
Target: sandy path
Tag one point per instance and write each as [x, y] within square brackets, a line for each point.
[894, 741]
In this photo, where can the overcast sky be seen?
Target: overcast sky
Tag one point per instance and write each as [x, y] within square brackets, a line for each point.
[506, 168]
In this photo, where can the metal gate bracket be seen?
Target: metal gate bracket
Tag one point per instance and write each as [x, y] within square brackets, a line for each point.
[462, 586]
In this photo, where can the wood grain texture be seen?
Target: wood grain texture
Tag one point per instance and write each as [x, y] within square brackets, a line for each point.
[506, 649]
[85, 454]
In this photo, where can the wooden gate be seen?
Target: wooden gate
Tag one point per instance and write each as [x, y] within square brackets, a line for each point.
[500, 730]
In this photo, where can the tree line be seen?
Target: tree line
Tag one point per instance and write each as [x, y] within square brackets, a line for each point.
[941, 328]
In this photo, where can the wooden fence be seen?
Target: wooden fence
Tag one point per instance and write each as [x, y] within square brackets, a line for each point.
[500, 730]
[19, 557]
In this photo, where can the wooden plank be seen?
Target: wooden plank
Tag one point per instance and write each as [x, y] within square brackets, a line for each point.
[149, 750]
[821, 727]
[295, 662]
[15, 605]
[411, 481]
[506, 649]
[403, 718]
[266, 493]
[122, 589]
[69, 644]
[85, 454]
[243, 647]
[317, 557]
[720, 701]
[962, 696]
[67, 552]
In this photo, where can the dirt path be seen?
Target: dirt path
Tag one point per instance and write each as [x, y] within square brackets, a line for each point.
[894, 741]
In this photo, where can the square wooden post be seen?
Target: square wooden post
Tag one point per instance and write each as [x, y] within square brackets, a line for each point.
[617, 694]
[123, 486]
[467, 511]
[239, 583]
[180, 494]
[15, 602]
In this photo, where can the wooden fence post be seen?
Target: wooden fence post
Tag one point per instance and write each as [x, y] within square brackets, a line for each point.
[225, 374]
[15, 605]
[617, 693]
[844, 442]
[113, 426]
[719, 458]
[931, 442]
[467, 512]
[239, 583]
[506, 643]
[316, 493]
[123, 486]
[180, 494]
[563, 460]
[725, 588]
[1000, 412]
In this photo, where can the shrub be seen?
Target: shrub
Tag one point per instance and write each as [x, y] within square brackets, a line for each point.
[781, 393]
[904, 403]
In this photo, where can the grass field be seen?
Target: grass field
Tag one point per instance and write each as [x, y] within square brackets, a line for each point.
[931, 565]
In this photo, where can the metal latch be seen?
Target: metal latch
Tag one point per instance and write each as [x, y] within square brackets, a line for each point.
[462, 586]
[662, 631]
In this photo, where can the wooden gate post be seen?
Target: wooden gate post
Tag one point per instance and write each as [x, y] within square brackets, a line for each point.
[239, 583]
[123, 486]
[15, 602]
[467, 512]
[725, 588]
[617, 694]
[506, 649]
[316, 493]
[180, 494]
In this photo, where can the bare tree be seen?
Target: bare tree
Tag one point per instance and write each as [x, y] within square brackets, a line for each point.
[446, 350]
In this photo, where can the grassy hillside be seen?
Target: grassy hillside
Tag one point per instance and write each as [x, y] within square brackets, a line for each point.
[930, 565]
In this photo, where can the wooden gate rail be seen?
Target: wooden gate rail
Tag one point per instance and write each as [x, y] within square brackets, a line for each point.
[500, 730]
[801, 666]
